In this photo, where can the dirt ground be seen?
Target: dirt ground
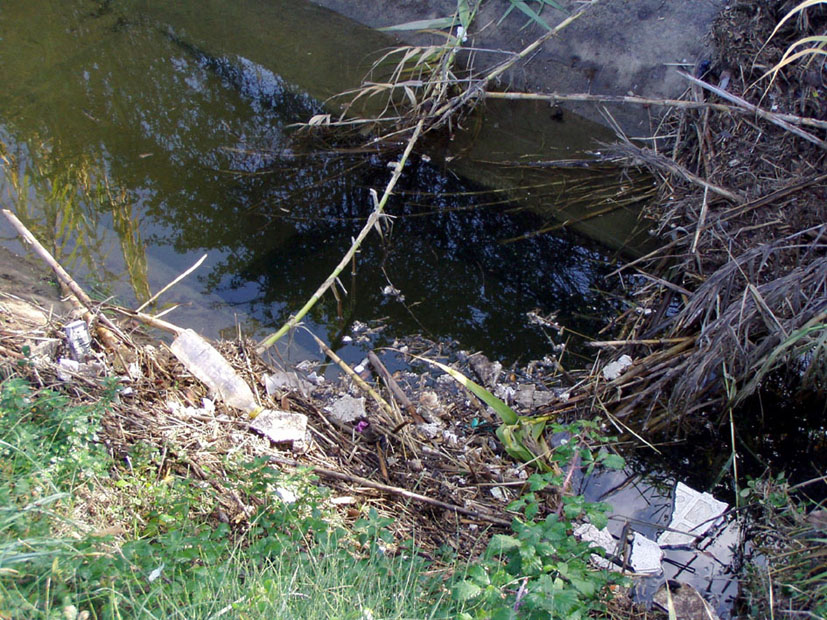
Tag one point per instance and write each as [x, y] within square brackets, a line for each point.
[616, 48]
[23, 277]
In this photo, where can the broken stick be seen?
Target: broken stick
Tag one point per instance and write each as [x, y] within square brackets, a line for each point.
[67, 280]
[329, 473]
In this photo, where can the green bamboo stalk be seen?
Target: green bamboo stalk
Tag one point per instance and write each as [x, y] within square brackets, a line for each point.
[372, 221]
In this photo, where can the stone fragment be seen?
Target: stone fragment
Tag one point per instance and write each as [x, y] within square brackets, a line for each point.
[347, 409]
[646, 557]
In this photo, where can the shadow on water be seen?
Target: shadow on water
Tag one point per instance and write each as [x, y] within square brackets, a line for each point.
[117, 118]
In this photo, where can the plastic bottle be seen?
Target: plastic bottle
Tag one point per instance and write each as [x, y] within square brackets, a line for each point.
[209, 366]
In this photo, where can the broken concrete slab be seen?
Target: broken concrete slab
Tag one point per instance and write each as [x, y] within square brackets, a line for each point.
[693, 514]
[645, 558]
[615, 48]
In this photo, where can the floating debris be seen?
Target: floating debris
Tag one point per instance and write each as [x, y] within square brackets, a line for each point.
[693, 514]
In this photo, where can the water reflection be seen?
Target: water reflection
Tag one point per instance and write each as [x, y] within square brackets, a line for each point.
[168, 151]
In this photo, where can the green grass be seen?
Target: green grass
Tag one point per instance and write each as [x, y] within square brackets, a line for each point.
[170, 559]
[83, 536]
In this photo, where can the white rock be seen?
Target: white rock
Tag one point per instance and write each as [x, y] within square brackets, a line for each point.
[281, 426]
[347, 409]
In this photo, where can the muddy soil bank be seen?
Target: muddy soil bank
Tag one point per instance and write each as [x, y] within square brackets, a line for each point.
[615, 48]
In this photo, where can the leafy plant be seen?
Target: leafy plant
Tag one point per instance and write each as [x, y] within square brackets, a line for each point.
[541, 570]
[289, 560]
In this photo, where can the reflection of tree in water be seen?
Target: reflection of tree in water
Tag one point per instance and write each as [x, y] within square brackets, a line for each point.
[197, 147]
[443, 254]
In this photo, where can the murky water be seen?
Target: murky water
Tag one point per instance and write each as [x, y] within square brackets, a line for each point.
[138, 137]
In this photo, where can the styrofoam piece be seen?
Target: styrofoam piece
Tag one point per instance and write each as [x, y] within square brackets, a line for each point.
[347, 409]
[613, 370]
[647, 556]
[280, 426]
[693, 514]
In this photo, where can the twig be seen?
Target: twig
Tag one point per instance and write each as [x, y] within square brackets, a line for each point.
[775, 119]
[150, 320]
[64, 277]
[701, 222]
[173, 283]
[661, 161]
[373, 220]
[391, 489]
[646, 341]
[590, 98]
[395, 417]
[393, 386]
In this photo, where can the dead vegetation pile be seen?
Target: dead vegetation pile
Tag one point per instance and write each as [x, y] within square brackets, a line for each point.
[438, 487]
[738, 289]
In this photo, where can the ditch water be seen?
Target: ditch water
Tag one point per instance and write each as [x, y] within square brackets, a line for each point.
[137, 136]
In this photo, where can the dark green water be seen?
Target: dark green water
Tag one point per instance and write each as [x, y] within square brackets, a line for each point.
[137, 137]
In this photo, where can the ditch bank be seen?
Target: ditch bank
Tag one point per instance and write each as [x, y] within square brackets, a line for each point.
[614, 48]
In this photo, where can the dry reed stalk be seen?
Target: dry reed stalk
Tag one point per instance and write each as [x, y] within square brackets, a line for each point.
[373, 222]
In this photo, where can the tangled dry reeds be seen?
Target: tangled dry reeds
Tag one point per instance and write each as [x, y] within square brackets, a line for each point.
[738, 289]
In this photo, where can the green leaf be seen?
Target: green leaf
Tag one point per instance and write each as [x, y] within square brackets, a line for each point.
[501, 543]
[421, 24]
[553, 4]
[478, 574]
[506, 413]
[466, 590]
[535, 17]
[464, 13]
[598, 519]
[613, 461]
[512, 443]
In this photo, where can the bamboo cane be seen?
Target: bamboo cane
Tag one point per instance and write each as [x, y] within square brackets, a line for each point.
[372, 221]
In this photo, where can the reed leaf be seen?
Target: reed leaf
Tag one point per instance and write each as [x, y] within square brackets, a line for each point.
[515, 433]
[439, 23]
